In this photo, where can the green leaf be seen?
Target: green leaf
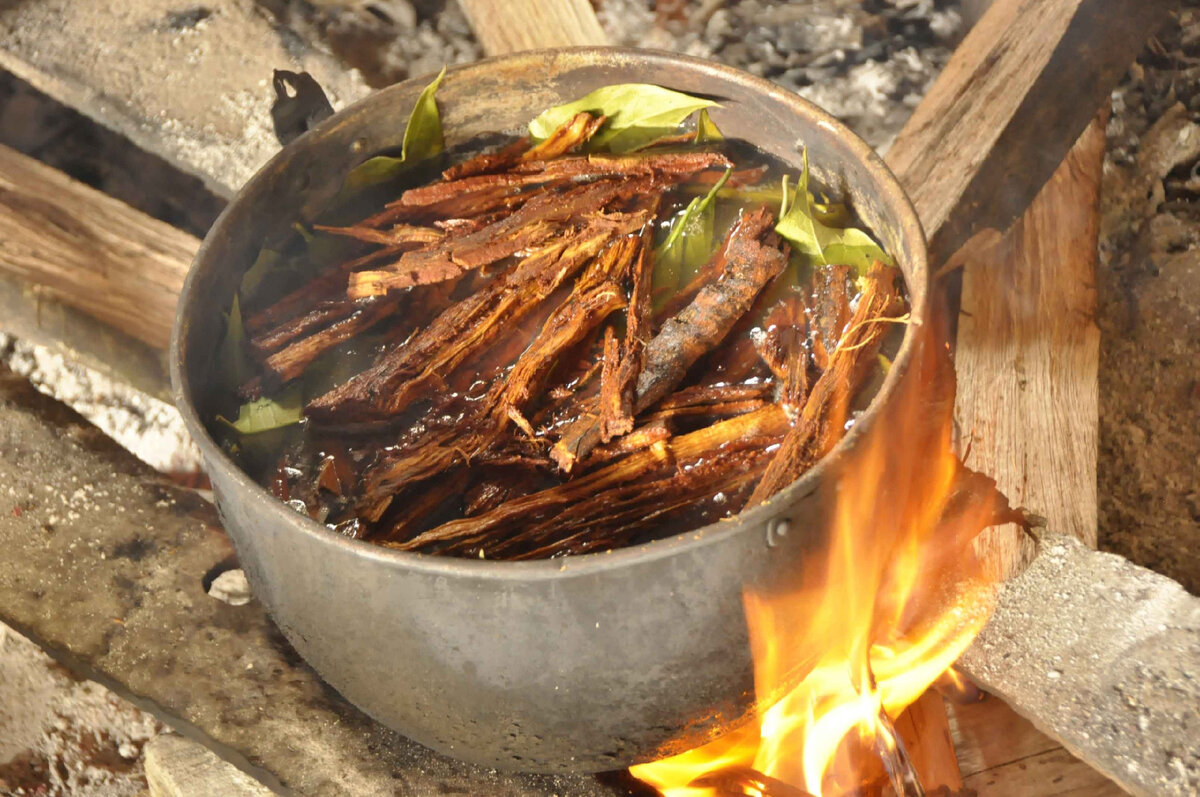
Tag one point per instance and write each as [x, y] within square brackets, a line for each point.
[422, 139]
[423, 135]
[266, 262]
[694, 208]
[265, 414]
[372, 171]
[688, 244]
[231, 354]
[707, 131]
[638, 113]
[800, 223]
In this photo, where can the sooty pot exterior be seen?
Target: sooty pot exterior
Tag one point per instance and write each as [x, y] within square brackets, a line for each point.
[580, 664]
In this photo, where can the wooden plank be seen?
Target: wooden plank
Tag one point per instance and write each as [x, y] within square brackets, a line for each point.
[989, 734]
[925, 729]
[32, 316]
[509, 26]
[1012, 100]
[1051, 774]
[178, 767]
[1028, 356]
[89, 251]
[1001, 754]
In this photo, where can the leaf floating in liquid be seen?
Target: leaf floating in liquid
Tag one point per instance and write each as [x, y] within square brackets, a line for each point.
[688, 244]
[707, 131]
[265, 414]
[697, 206]
[266, 261]
[638, 114]
[801, 225]
[422, 139]
[232, 353]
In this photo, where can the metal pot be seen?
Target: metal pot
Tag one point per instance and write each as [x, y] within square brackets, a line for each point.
[580, 664]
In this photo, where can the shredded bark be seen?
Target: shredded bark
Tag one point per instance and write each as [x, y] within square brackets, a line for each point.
[783, 345]
[422, 504]
[400, 376]
[488, 162]
[770, 421]
[291, 361]
[597, 294]
[832, 292]
[753, 258]
[822, 421]
[618, 397]
[543, 217]
[654, 431]
[525, 400]
[616, 417]
[397, 235]
[569, 136]
[613, 517]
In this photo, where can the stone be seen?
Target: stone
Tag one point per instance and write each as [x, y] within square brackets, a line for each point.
[1104, 656]
[231, 587]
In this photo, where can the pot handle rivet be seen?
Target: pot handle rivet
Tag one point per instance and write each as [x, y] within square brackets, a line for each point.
[777, 529]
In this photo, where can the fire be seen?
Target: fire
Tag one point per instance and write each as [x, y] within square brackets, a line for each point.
[879, 613]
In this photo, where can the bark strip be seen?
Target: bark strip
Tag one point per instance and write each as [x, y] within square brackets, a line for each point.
[753, 258]
[822, 421]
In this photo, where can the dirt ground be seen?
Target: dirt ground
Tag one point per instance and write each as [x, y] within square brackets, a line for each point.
[1149, 311]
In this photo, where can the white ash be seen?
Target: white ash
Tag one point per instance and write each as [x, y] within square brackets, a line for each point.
[868, 63]
[865, 62]
[63, 737]
[151, 429]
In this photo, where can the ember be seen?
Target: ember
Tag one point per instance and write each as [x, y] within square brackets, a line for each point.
[550, 348]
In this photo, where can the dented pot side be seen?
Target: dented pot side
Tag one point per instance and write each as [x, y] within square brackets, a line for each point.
[581, 664]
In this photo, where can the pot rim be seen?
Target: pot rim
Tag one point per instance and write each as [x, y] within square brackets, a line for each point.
[598, 562]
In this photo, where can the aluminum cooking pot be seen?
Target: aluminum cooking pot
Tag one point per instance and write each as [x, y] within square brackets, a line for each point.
[585, 663]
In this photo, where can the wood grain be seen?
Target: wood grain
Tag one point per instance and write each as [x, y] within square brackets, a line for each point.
[1011, 101]
[989, 734]
[509, 26]
[90, 251]
[1055, 773]
[925, 729]
[1028, 356]
[179, 767]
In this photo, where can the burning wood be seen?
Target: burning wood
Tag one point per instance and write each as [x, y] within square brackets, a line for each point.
[510, 307]
[889, 588]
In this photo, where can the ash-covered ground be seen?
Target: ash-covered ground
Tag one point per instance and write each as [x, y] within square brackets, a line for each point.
[1149, 310]
[866, 61]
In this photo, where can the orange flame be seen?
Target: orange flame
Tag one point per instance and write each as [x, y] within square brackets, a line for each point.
[892, 598]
